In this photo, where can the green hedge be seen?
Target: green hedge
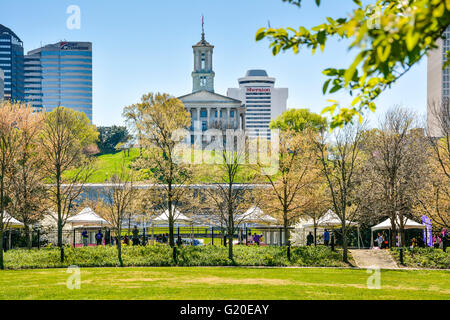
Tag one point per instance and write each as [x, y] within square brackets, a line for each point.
[161, 255]
[423, 257]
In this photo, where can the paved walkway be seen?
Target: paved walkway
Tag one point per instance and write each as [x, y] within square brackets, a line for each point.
[366, 258]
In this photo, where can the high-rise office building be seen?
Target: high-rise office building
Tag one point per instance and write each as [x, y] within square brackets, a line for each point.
[263, 101]
[438, 86]
[2, 81]
[60, 74]
[11, 62]
[33, 81]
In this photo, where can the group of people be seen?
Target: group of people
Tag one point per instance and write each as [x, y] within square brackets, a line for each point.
[98, 237]
[439, 241]
[326, 238]
[382, 240]
[110, 240]
[162, 238]
[251, 239]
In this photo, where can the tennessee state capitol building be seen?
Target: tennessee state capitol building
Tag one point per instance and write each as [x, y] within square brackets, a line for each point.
[210, 110]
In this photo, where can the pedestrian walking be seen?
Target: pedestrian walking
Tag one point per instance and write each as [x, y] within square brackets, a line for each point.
[309, 239]
[85, 236]
[135, 236]
[99, 237]
[326, 237]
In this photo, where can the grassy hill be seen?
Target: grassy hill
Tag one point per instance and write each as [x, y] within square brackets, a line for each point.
[108, 164]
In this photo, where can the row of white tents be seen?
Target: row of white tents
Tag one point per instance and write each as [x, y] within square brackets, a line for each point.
[254, 216]
[88, 218]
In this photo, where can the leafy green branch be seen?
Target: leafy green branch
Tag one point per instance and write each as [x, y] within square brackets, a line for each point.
[391, 36]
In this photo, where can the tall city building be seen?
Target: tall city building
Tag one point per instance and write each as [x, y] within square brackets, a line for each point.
[33, 81]
[438, 85]
[208, 109]
[60, 74]
[11, 62]
[2, 85]
[263, 101]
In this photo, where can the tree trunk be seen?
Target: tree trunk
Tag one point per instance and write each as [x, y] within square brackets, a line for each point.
[171, 214]
[344, 246]
[344, 239]
[315, 236]
[119, 248]
[2, 267]
[58, 204]
[28, 236]
[171, 233]
[60, 242]
[119, 252]
[393, 238]
[230, 236]
[171, 226]
[403, 238]
[286, 232]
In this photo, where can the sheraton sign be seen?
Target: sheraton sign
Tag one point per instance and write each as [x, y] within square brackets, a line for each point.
[265, 90]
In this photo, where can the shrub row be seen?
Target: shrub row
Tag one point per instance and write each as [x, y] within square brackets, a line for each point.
[423, 257]
[161, 255]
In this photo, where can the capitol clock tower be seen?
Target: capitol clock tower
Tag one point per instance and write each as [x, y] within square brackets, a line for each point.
[203, 74]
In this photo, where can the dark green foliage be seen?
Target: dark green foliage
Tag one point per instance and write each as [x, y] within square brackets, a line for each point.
[110, 137]
[423, 257]
[161, 255]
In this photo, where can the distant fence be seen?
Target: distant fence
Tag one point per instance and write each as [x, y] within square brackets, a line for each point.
[17, 238]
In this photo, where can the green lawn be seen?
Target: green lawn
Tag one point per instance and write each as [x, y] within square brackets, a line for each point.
[223, 283]
[107, 165]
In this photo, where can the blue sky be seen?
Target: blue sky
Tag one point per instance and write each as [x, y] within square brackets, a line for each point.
[144, 46]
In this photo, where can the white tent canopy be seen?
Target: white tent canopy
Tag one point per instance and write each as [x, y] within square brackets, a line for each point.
[386, 225]
[409, 224]
[179, 218]
[256, 215]
[10, 221]
[329, 219]
[88, 218]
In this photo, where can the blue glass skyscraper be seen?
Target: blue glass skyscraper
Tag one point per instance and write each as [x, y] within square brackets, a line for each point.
[60, 75]
[11, 62]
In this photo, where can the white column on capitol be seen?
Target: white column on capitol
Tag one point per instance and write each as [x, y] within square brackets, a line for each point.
[240, 121]
[208, 112]
[228, 117]
[199, 124]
